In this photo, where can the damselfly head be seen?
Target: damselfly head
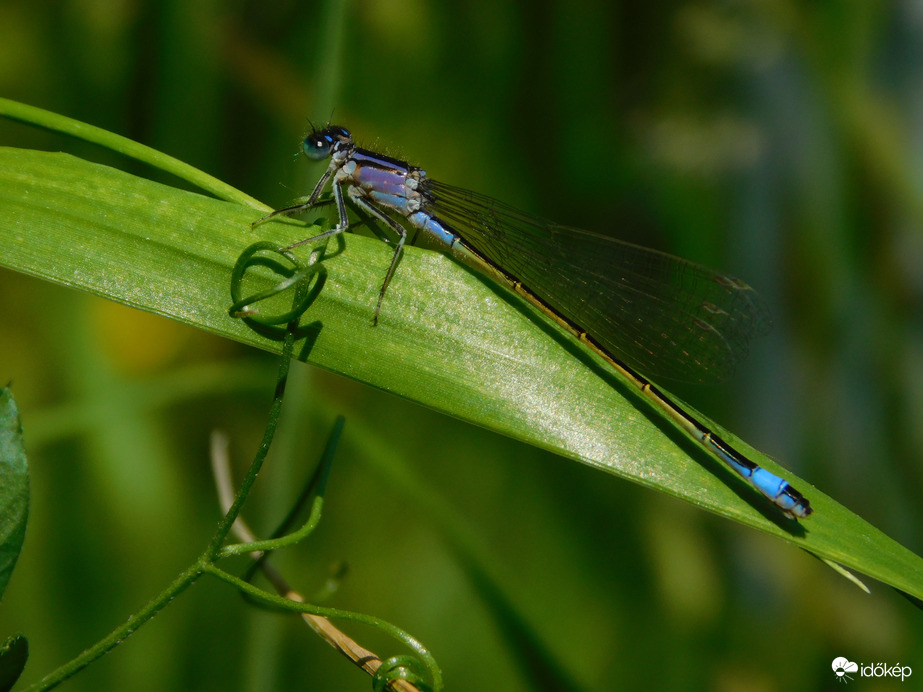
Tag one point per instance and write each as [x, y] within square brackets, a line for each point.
[322, 143]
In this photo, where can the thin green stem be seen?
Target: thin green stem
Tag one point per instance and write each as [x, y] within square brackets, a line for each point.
[317, 506]
[281, 542]
[202, 565]
[120, 634]
[39, 117]
[224, 527]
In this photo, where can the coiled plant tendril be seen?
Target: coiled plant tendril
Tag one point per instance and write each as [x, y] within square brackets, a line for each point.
[404, 667]
[267, 255]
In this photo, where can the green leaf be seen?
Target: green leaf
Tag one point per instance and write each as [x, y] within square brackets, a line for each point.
[446, 338]
[13, 656]
[14, 487]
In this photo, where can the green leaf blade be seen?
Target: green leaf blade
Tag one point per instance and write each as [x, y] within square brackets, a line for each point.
[446, 338]
[13, 656]
[14, 487]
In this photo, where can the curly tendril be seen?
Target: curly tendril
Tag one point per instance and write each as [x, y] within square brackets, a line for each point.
[404, 667]
[294, 273]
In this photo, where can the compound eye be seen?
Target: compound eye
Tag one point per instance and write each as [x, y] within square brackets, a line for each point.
[317, 146]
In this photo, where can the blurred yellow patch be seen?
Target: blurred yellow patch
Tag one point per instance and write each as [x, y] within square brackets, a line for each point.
[136, 341]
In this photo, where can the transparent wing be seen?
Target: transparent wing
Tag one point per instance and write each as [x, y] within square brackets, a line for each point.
[661, 314]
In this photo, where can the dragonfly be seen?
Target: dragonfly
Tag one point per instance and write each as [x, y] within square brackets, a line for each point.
[634, 307]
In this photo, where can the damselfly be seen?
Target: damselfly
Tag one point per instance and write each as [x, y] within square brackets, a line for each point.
[630, 305]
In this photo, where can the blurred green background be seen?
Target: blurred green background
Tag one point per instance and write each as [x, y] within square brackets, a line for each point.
[780, 141]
